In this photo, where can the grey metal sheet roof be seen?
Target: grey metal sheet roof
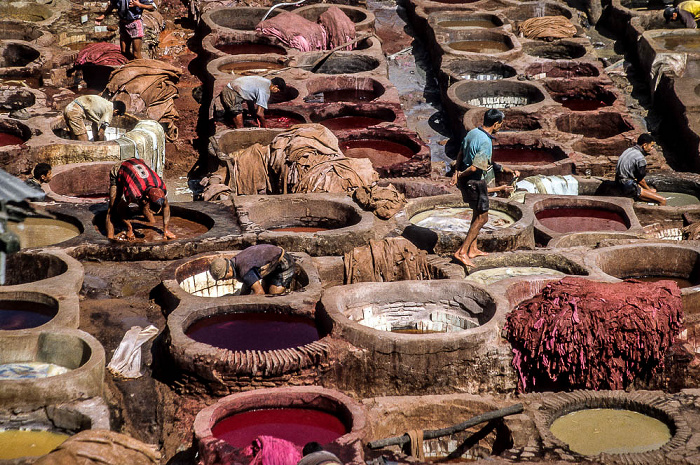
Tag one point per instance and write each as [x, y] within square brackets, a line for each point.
[13, 189]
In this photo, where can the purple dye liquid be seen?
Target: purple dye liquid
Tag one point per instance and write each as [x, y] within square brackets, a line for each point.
[18, 314]
[254, 331]
[250, 49]
[9, 139]
[296, 425]
[349, 95]
[566, 220]
[523, 155]
[350, 122]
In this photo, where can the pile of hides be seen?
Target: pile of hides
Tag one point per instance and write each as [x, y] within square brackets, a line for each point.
[392, 259]
[101, 53]
[214, 188]
[268, 450]
[339, 28]
[584, 334]
[147, 142]
[153, 25]
[248, 170]
[101, 447]
[294, 31]
[337, 176]
[148, 87]
[547, 27]
[385, 202]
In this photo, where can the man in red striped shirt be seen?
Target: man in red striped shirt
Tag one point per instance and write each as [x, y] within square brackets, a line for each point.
[133, 181]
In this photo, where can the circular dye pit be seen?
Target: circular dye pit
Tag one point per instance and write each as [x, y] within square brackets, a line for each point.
[23, 268]
[82, 180]
[347, 123]
[343, 89]
[296, 425]
[381, 152]
[493, 275]
[560, 51]
[239, 18]
[348, 95]
[28, 443]
[612, 431]
[495, 94]
[568, 220]
[15, 99]
[10, 139]
[478, 70]
[248, 68]
[254, 331]
[17, 55]
[458, 219]
[519, 155]
[250, 48]
[678, 199]
[568, 70]
[679, 43]
[603, 126]
[581, 104]
[474, 21]
[274, 119]
[25, 314]
[42, 232]
[30, 370]
[183, 228]
[346, 63]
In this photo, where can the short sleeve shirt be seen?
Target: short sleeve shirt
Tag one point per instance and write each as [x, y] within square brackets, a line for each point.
[631, 165]
[257, 257]
[127, 13]
[97, 109]
[477, 150]
[253, 89]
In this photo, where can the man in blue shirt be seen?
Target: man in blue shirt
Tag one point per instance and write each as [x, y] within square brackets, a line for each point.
[252, 92]
[474, 175]
[130, 23]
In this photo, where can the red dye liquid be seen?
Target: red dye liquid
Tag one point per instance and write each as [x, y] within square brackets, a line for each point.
[581, 104]
[381, 152]
[300, 229]
[18, 314]
[250, 49]
[350, 122]
[9, 139]
[682, 282]
[349, 95]
[254, 331]
[295, 425]
[523, 156]
[566, 220]
[281, 119]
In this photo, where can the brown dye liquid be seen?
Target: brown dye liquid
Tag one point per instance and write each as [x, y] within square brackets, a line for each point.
[380, 152]
[301, 229]
[250, 49]
[349, 95]
[581, 104]
[480, 46]
[523, 156]
[20, 314]
[467, 23]
[250, 67]
[566, 220]
[682, 282]
[181, 227]
[593, 431]
[350, 122]
[9, 139]
[41, 232]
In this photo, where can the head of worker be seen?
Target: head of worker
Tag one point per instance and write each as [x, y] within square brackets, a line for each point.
[646, 142]
[277, 84]
[156, 199]
[220, 268]
[42, 172]
[671, 14]
[493, 119]
[118, 108]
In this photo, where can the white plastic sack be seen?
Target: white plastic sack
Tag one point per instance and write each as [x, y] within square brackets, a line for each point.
[126, 361]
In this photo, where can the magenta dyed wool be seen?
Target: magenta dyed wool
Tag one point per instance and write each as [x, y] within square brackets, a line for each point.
[269, 450]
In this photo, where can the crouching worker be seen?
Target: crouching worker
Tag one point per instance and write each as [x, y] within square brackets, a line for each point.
[133, 181]
[252, 92]
[256, 267]
[97, 110]
[632, 168]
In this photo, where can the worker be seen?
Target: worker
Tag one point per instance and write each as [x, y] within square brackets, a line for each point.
[97, 110]
[687, 12]
[253, 92]
[255, 267]
[314, 454]
[632, 168]
[133, 181]
[474, 175]
[41, 175]
[130, 24]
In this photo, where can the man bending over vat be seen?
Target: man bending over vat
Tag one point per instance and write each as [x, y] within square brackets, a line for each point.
[686, 12]
[133, 181]
[97, 110]
[632, 168]
[256, 267]
[474, 175]
[252, 92]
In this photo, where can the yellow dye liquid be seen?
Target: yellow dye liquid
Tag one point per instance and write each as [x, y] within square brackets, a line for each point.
[27, 443]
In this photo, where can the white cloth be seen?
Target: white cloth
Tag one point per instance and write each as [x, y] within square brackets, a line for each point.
[559, 185]
[126, 361]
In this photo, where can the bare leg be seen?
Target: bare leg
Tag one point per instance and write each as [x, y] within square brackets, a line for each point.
[277, 290]
[136, 44]
[468, 249]
[124, 45]
[238, 120]
[650, 196]
[82, 137]
[111, 211]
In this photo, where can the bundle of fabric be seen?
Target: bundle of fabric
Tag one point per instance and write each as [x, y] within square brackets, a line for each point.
[338, 175]
[269, 450]
[101, 447]
[101, 53]
[392, 259]
[584, 334]
[148, 87]
[339, 28]
[153, 25]
[147, 142]
[547, 27]
[294, 31]
[385, 202]
[248, 170]
[294, 151]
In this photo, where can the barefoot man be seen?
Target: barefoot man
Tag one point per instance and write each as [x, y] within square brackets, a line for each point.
[474, 175]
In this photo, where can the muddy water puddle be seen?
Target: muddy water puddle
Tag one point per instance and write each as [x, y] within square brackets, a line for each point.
[566, 220]
[523, 155]
[297, 425]
[493, 275]
[21, 314]
[593, 431]
[581, 104]
[350, 122]
[250, 49]
[459, 219]
[458, 24]
[254, 331]
[380, 152]
[9, 139]
[28, 443]
[42, 232]
[480, 46]
[181, 227]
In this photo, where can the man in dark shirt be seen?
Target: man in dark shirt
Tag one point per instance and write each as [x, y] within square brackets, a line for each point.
[41, 175]
[130, 23]
[631, 170]
[255, 264]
